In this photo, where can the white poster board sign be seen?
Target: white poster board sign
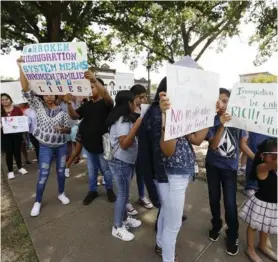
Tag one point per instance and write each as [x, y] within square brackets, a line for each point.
[144, 109]
[122, 81]
[14, 90]
[193, 94]
[253, 107]
[15, 124]
[57, 68]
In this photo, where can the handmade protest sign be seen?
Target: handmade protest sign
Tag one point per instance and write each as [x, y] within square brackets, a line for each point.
[57, 68]
[253, 107]
[15, 124]
[193, 94]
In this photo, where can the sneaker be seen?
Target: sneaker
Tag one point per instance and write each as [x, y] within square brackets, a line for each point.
[11, 175]
[132, 222]
[98, 183]
[158, 250]
[131, 210]
[232, 247]
[249, 192]
[22, 171]
[64, 199]
[213, 235]
[36, 209]
[90, 197]
[103, 182]
[67, 172]
[144, 201]
[111, 196]
[122, 233]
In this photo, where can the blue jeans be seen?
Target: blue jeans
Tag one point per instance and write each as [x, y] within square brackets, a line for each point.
[140, 183]
[122, 173]
[249, 184]
[171, 196]
[94, 162]
[228, 179]
[45, 158]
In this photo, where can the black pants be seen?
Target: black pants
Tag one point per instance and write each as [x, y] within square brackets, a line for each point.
[218, 177]
[36, 145]
[12, 146]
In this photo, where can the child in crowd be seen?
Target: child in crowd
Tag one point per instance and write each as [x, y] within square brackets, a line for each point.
[222, 165]
[123, 139]
[254, 140]
[260, 210]
[140, 98]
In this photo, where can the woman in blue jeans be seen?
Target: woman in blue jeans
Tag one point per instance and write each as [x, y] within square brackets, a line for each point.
[123, 140]
[51, 129]
[179, 159]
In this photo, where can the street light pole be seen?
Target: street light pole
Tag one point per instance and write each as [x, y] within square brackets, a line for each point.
[149, 69]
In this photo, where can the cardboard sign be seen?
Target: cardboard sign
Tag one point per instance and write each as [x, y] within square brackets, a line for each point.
[193, 94]
[253, 107]
[123, 81]
[15, 124]
[57, 68]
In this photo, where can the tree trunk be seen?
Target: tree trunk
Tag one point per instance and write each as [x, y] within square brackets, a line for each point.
[54, 27]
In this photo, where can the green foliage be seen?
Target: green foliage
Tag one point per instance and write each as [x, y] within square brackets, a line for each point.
[176, 28]
[264, 79]
[264, 15]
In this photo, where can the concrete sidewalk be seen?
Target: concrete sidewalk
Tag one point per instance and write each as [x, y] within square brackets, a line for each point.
[76, 233]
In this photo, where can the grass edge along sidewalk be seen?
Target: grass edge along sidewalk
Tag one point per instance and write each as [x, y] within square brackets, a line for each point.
[16, 243]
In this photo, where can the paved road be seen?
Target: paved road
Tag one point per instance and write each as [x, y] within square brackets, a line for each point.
[76, 233]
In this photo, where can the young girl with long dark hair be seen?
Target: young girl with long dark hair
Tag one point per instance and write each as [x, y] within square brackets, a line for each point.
[260, 210]
[11, 143]
[123, 140]
[51, 129]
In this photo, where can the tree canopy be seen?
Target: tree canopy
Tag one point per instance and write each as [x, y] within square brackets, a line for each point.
[264, 79]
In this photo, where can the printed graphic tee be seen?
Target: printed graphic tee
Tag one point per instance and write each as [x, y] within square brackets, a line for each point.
[227, 153]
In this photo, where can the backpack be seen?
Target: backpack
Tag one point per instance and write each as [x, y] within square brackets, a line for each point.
[108, 150]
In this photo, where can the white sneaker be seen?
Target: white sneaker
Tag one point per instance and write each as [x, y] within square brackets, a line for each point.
[249, 192]
[132, 222]
[65, 200]
[22, 171]
[145, 202]
[98, 183]
[67, 172]
[11, 175]
[131, 210]
[103, 182]
[122, 233]
[36, 209]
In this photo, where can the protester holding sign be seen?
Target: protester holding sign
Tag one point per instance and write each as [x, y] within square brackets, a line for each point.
[52, 127]
[94, 114]
[11, 142]
[172, 178]
[140, 98]
[222, 165]
[123, 129]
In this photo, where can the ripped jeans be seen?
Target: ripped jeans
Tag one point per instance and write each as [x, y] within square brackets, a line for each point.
[45, 158]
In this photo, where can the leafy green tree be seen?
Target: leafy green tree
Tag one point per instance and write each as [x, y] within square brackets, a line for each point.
[264, 79]
[176, 28]
[28, 22]
[264, 15]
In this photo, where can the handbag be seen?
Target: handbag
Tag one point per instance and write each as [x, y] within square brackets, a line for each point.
[108, 150]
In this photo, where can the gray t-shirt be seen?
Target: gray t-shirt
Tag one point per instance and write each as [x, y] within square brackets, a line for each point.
[122, 129]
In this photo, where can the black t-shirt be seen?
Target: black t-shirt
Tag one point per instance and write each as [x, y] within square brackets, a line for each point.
[94, 116]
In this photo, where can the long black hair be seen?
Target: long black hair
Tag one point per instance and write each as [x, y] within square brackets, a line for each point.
[9, 97]
[162, 87]
[268, 145]
[122, 108]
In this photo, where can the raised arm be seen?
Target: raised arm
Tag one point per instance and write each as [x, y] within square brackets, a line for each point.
[68, 98]
[23, 80]
[101, 89]
[198, 137]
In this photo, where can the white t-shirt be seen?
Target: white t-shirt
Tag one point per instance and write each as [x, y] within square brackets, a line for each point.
[117, 130]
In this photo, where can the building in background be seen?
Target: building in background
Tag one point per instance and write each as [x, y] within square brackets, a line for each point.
[116, 81]
[247, 78]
